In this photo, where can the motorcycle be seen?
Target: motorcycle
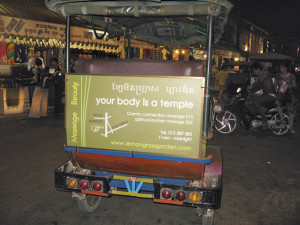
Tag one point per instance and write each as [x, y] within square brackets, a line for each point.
[227, 119]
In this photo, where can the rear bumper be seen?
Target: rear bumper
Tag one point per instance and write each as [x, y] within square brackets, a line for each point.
[139, 164]
[209, 187]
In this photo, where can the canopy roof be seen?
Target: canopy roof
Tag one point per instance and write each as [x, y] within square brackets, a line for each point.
[271, 56]
[167, 23]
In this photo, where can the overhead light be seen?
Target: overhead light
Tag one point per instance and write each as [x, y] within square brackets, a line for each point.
[236, 59]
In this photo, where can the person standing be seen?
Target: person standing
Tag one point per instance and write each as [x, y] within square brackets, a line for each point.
[72, 64]
[58, 73]
[286, 83]
[31, 62]
[221, 77]
[39, 105]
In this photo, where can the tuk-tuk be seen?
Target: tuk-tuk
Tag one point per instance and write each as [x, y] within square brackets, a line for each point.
[139, 127]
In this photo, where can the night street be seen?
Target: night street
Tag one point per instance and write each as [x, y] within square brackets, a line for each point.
[149, 112]
[261, 182]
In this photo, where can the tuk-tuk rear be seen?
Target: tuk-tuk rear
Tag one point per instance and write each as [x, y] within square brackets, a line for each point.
[139, 127]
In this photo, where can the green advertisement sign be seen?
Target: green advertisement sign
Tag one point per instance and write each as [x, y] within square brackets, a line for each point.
[141, 114]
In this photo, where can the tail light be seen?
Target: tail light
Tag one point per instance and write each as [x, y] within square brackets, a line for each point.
[97, 186]
[84, 184]
[180, 195]
[166, 193]
[72, 183]
[194, 197]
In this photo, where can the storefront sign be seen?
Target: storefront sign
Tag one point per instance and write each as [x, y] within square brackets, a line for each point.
[38, 29]
[145, 114]
[11, 24]
[31, 28]
[19, 26]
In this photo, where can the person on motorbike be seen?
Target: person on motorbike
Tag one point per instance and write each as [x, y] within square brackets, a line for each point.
[261, 93]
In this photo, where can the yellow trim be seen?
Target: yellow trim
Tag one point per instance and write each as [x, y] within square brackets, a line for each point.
[134, 194]
[145, 180]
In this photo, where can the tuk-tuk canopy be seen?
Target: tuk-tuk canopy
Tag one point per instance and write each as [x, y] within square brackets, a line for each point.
[174, 24]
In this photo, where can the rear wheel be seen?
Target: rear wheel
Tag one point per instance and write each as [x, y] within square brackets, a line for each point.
[88, 203]
[225, 122]
[282, 127]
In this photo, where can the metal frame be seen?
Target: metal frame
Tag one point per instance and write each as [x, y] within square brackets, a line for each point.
[208, 72]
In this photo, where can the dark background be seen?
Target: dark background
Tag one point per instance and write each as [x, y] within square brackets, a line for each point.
[278, 17]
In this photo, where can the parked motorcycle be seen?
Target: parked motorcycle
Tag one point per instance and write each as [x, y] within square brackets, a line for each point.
[227, 119]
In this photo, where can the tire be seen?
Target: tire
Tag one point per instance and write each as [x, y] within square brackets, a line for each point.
[226, 122]
[208, 217]
[283, 127]
[88, 203]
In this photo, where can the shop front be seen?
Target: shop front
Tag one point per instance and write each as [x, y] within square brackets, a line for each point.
[21, 38]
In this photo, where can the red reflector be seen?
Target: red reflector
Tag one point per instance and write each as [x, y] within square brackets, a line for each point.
[180, 195]
[97, 186]
[84, 184]
[166, 193]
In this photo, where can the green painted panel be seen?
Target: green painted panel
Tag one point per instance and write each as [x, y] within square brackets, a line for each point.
[145, 114]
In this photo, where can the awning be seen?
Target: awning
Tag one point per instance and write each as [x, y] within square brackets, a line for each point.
[271, 56]
[32, 10]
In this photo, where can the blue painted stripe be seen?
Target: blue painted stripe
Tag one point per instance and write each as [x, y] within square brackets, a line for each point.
[138, 155]
[172, 158]
[127, 185]
[139, 187]
[70, 149]
[122, 184]
[100, 152]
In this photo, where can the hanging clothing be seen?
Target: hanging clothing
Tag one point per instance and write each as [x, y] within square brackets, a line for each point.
[30, 51]
[3, 52]
[151, 53]
[141, 53]
[90, 54]
[55, 53]
[157, 54]
[61, 57]
[131, 52]
[20, 52]
[49, 56]
[10, 53]
[37, 48]
[85, 53]
[136, 53]
[44, 54]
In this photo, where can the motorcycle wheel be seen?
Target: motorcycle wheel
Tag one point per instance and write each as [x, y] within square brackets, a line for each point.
[88, 203]
[283, 127]
[225, 122]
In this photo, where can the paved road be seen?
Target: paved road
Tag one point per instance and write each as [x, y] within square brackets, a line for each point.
[261, 182]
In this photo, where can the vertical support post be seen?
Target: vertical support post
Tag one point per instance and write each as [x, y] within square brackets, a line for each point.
[207, 84]
[124, 47]
[68, 45]
[128, 47]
